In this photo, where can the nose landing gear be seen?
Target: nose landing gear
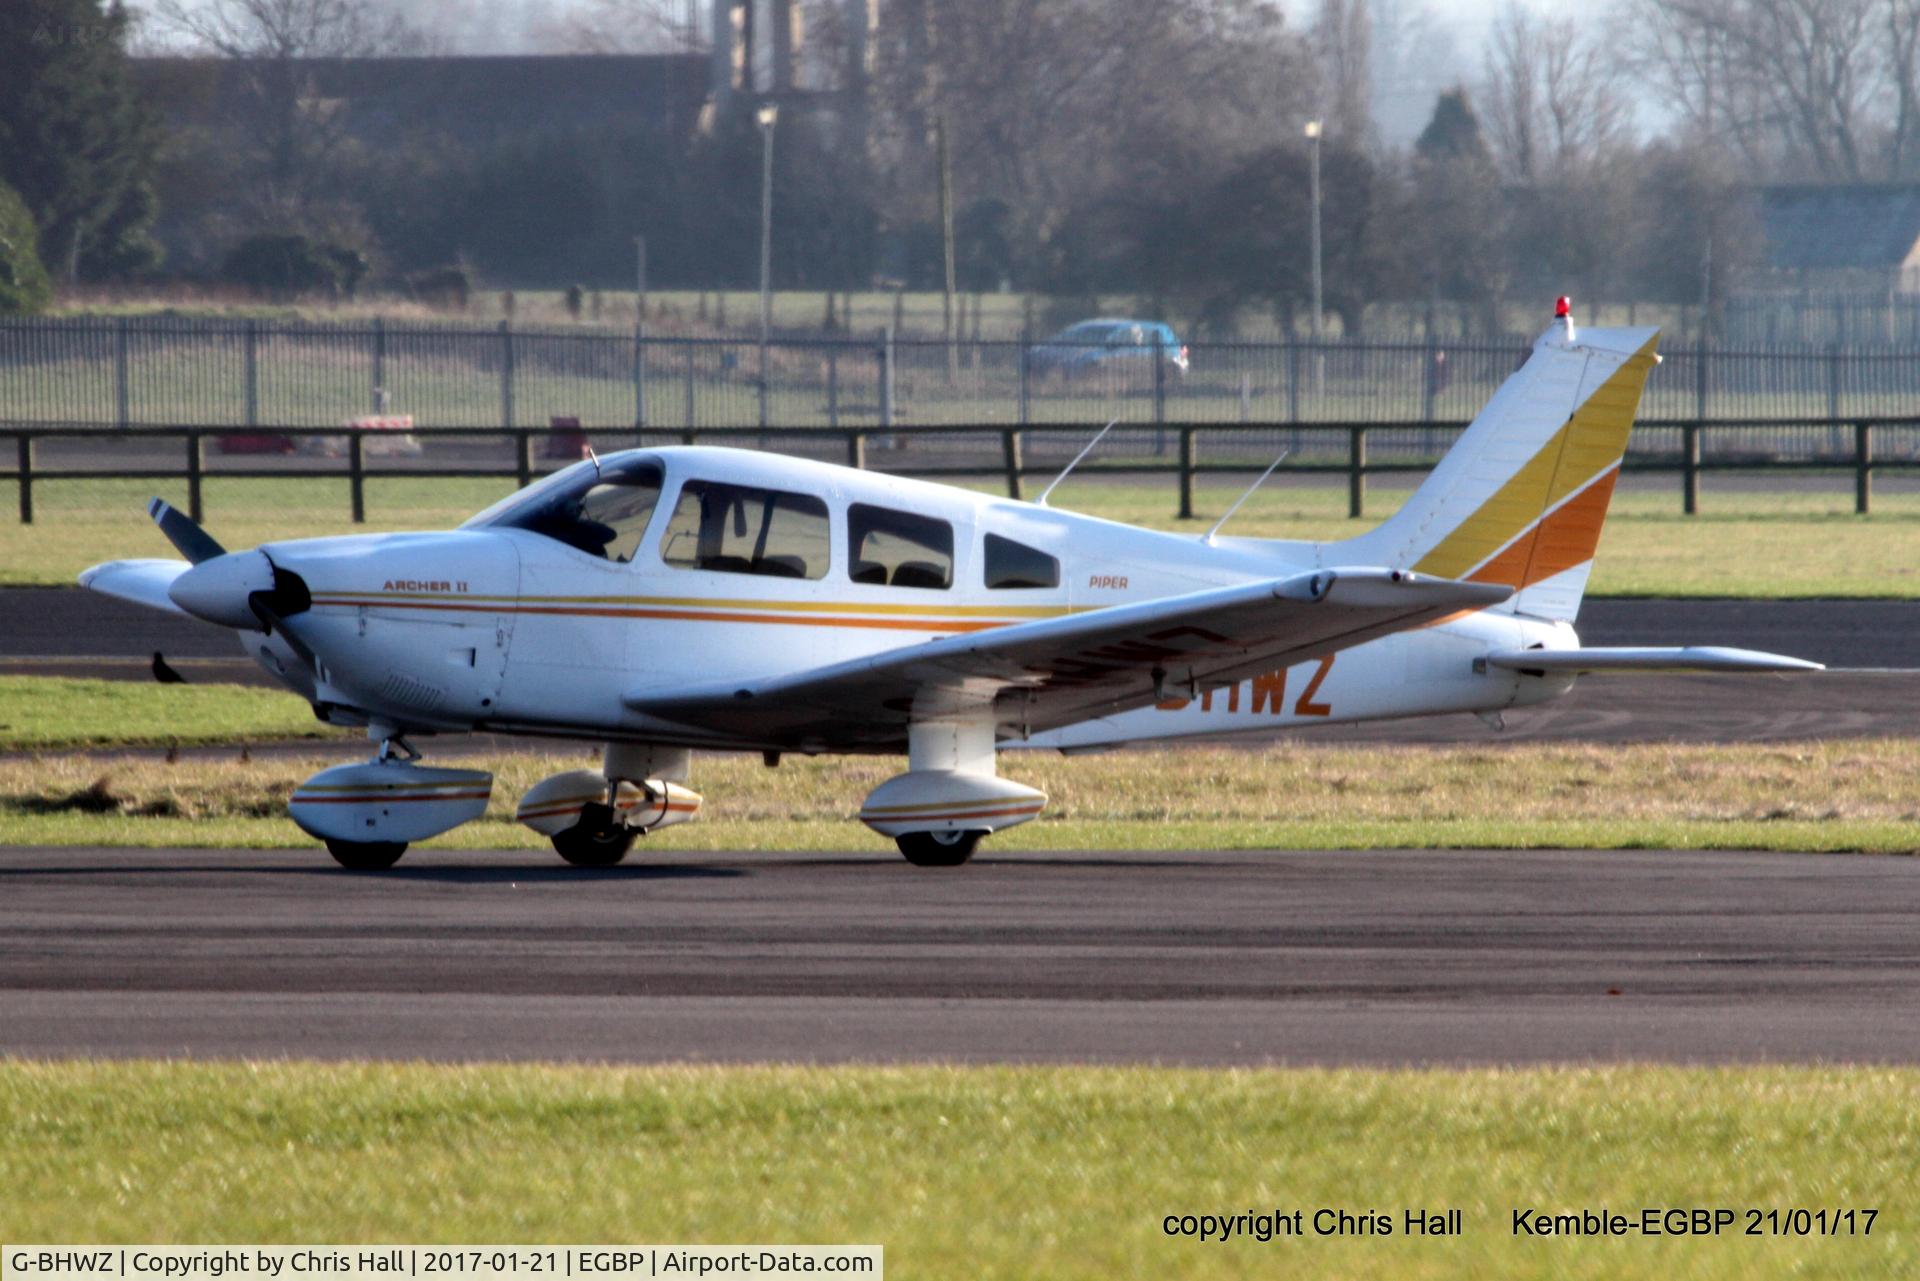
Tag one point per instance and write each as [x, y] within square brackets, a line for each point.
[368, 813]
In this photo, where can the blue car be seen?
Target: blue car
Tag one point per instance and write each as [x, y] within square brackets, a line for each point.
[1108, 344]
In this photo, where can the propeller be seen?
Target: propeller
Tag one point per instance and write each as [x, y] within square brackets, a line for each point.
[242, 590]
[193, 542]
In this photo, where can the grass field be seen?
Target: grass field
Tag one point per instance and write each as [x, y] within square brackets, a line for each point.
[1061, 1173]
[1293, 796]
[37, 713]
[1800, 542]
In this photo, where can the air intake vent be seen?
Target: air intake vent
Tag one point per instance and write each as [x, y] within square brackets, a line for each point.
[409, 692]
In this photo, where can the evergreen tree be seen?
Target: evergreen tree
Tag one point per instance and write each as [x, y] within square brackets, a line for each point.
[76, 142]
[1453, 134]
[23, 281]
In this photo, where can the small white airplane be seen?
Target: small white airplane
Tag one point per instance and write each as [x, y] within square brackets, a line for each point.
[666, 600]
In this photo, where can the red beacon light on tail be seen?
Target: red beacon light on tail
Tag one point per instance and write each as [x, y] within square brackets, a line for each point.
[1563, 312]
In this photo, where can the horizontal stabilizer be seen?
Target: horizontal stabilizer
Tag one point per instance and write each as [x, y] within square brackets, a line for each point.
[143, 582]
[1685, 658]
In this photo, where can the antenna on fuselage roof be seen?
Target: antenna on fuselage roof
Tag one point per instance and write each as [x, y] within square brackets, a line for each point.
[1068, 469]
[1228, 514]
[595, 459]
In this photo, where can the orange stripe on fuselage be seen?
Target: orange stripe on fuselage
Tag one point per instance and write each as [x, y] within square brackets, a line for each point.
[692, 615]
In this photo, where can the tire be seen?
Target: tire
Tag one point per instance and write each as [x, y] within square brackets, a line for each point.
[366, 856]
[596, 840]
[938, 849]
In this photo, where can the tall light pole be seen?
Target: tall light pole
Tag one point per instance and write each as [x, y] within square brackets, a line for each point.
[768, 115]
[1313, 187]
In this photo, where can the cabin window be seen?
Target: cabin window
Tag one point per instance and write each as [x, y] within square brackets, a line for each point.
[742, 529]
[898, 549]
[603, 512]
[1015, 565]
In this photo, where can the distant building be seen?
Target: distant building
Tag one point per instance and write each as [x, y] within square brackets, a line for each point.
[1853, 237]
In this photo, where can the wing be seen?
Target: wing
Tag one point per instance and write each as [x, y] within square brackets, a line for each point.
[1054, 672]
[144, 582]
[1686, 658]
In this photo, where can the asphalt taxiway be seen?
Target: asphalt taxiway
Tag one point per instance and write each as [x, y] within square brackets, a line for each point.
[1456, 957]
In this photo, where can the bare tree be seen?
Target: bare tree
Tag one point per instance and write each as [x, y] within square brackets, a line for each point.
[625, 26]
[1795, 85]
[1550, 96]
[1051, 102]
[270, 41]
[1343, 39]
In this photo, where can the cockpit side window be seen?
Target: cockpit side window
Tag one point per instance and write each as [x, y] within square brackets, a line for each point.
[742, 529]
[898, 549]
[603, 512]
[1016, 565]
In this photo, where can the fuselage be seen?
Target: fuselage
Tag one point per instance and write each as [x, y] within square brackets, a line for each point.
[654, 570]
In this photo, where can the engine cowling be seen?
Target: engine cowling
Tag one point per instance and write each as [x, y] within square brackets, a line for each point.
[553, 804]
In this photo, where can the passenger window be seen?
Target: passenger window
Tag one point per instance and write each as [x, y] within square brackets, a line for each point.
[603, 512]
[740, 529]
[1015, 565]
[898, 549]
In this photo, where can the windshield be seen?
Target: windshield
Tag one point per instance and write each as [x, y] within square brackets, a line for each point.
[602, 511]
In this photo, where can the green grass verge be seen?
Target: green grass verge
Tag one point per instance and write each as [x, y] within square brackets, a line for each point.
[1062, 1173]
[39, 712]
[1291, 796]
[1798, 543]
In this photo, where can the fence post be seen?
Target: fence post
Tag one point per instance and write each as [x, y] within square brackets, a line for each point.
[1159, 397]
[1833, 380]
[833, 385]
[523, 458]
[857, 450]
[1700, 377]
[25, 443]
[1690, 468]
[639, 379]
[1010, 454]
[762, 380]
[1429, 378]
[886, 376]
[1189, 449]
[357, 475]
[250, 367]
[1026, 379]
[1293, 380]
[1862, 468]
[689, 349]
[196, 457]
[1356, 472]
[376, 394]
[122, 380]
[506, 373]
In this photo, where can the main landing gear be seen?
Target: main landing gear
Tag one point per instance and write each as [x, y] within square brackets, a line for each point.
[593, 817]
[949, 798]
[599, 839]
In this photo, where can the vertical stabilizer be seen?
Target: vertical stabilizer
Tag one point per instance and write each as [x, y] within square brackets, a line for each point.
[1520, 498]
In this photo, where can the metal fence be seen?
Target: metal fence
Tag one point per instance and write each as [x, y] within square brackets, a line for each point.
[1348, 452]
[128, 372]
